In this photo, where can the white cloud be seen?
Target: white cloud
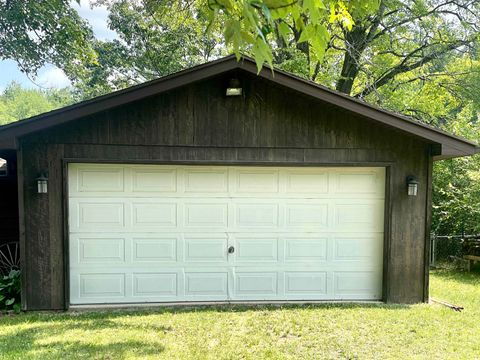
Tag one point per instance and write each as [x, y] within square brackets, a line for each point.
[97, 17]
[52, 77]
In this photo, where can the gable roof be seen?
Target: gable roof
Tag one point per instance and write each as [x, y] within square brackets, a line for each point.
[448, 145]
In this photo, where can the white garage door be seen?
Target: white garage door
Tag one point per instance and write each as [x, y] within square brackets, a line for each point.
[155, 233]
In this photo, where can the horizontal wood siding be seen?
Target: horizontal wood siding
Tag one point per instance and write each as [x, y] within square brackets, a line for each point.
[197, 123]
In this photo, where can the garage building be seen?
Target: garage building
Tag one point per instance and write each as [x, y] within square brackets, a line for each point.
[175, 192]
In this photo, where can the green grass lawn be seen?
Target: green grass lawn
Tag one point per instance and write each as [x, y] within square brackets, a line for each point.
[311, 332]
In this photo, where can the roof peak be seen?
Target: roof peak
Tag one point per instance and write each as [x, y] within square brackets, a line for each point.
[451, 145]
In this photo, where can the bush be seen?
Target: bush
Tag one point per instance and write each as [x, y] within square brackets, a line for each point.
[10, 291]
[448, 246]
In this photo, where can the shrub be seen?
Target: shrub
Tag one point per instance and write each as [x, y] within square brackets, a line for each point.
[10, 291]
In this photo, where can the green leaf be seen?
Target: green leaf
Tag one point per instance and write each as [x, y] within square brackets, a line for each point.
[283, 30]
[226, 4]
[14, 273]
[17, 308]
[280, 13]
[250, 15]
[313, 7]
[9, 301]
[320, 5]
[266, 13]
[247, 37]
[262, 54]
[230, 28]
[297, 17]
[211, 16]
[307, 34]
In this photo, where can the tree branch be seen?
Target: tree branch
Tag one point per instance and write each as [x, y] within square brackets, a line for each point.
[405, 67]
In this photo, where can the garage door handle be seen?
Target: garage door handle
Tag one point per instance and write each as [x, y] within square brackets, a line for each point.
[231, 250]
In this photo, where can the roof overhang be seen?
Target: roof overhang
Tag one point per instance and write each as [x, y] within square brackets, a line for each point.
[447, 145]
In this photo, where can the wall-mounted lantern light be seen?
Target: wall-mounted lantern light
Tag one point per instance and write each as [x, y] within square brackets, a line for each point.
[42, 184]
[412, 185]
[234, 88]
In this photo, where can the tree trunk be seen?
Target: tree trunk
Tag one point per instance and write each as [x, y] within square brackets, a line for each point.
[355, 42]
[349, 73]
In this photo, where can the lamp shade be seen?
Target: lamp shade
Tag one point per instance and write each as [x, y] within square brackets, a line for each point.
[42, 184]
[412, 186]
[234, 88]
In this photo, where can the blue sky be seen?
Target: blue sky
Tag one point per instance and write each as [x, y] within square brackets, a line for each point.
[49, 76]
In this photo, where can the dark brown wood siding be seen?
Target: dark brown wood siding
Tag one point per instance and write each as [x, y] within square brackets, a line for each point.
[197, 123]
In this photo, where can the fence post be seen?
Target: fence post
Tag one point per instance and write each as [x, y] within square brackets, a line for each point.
[433, 240]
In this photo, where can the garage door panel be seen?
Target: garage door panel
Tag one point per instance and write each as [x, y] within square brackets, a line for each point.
[94, 214]
[307, 215]
[154, 214]
[306, 249]
[146, 179]
[257, 181]
[102, 285]
[101, 250]
[206, 181]
[100, 180]
[155, 285]
[357, 247]
[164, 234]
[89, 249]
[357, 284]
[202, 284]
[254, 248]
[359, 182]
[157, 250]
[299, 283]
[206, 215]
[208, 249]
[257, 215]
[260, 284]
[359, 216]
[307, 181]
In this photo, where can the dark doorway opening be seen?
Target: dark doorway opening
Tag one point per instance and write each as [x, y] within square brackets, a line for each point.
[9, 231]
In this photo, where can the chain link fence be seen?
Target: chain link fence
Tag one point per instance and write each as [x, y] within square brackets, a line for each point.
[453, 247]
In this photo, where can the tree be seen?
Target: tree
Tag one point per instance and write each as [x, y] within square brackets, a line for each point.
[17, 103]
[149, 45]
[456, 197]
[34, 32]
[258, 26]
[449, 99]
[456, 185]
[356, 46]
[400, 37]
[157, 37]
